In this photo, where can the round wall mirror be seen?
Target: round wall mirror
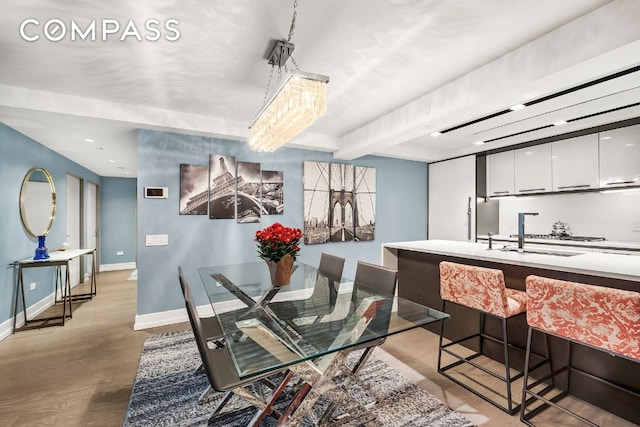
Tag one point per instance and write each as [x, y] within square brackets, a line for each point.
[37, 202]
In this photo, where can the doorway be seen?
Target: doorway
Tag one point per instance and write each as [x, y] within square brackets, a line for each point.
[93, 232]
[74, 225]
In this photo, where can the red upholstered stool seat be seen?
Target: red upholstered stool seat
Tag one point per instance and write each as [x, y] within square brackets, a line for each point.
[482, 289]
[603, 318]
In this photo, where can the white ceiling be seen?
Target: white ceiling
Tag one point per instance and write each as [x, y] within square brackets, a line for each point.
[399, 70]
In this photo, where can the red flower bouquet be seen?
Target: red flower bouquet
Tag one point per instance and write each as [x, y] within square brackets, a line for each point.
[276, 241]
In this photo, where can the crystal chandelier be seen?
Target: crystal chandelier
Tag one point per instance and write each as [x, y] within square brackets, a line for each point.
[299, 101]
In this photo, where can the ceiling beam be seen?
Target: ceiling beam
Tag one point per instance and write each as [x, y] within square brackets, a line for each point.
[582, 50]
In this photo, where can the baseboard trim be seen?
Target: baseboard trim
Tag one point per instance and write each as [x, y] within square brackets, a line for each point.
[120, 266]
[170, 317]
[6, 327]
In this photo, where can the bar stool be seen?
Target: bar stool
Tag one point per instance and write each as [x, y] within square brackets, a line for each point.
[482, 289]
[606, 319]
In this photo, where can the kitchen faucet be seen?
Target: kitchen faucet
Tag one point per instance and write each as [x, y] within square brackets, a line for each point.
[521, 229]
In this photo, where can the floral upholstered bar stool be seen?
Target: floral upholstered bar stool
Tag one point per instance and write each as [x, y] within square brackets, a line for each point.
[482, 289]
[603, 318]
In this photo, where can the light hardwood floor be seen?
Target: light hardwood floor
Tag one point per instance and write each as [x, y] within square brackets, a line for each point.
[81, 374]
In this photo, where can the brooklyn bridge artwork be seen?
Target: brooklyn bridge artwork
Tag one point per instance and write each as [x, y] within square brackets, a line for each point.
[339, 202]
[225, 187]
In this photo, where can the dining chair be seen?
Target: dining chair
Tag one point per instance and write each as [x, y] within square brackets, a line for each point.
[211, 328]
[370, 279]
[376, 280]
[382, 281]
[222, 374]
[324, 296]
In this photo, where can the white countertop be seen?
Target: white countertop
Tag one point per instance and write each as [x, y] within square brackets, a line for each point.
[602, 244]
[626, 267]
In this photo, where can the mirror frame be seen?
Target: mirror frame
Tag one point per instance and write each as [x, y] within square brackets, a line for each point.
[23, 216]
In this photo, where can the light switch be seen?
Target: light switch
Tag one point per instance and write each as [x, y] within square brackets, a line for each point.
[156, 239]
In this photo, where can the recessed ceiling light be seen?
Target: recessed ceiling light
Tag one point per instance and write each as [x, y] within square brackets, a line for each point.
[435, 133]
[517, 107]
[630, 144]
[126, 173]
[88, 140]
[605, 137]
[112, 161]
[560, 123]
[478, 143]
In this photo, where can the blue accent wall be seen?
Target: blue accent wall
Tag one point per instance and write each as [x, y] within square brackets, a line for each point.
[18, 154]
[401, 214]
[118, 219]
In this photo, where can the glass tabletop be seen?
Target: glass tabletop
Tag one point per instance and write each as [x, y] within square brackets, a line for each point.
[267, 328]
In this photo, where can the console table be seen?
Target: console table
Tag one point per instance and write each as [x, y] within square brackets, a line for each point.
[56, 259]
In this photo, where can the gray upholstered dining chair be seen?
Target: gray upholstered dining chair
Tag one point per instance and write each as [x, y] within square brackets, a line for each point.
[221, 372]
[211, 328]
[323, 298]
[383, 281]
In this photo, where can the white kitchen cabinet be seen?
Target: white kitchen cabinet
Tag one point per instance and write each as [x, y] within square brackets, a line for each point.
[500, 174]
[532, 169]
[620, 157]
[574, 163]
[452, 199]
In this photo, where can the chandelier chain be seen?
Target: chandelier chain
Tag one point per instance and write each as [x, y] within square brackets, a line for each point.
[294, 63]
[291, 30]
[293, 20]
[266, 93]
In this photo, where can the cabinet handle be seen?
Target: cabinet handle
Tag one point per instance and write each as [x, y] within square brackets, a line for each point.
[531, 189]
[501, 192]
[620, 182]
[563, 187]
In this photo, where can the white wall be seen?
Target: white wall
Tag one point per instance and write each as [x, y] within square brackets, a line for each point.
[609, 215]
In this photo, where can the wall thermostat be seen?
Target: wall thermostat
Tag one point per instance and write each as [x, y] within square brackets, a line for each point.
[156, 192]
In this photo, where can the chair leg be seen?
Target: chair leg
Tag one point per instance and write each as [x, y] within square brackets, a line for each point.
[569, 366]
[221, 403]
[548, 357]
[363, 360]
[507, 365]
[525, 380]
[440, 339]
[481, 345]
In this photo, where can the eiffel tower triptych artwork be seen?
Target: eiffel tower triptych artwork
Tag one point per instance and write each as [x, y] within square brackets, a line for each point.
[230, 189]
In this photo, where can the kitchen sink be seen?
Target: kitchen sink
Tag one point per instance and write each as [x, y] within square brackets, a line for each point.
[543, 251]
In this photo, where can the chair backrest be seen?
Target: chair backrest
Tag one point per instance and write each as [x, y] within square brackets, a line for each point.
[325, 291]
[605, 318]
[194, 319]
[476, 287]
[331, 266]
[381, 279]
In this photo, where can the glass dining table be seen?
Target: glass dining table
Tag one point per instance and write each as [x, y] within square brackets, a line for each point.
[309, 325]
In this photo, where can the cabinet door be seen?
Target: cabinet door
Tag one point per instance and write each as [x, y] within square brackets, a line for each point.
[575, 163]
[533, 169]
[620, 157]
[500, 174]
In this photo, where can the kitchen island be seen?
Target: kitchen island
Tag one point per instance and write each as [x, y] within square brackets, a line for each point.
[419, 280]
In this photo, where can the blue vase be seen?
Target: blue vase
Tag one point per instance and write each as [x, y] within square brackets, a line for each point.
[41, 250]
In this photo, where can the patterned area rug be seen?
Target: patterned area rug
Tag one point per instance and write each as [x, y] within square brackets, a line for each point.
[166, 391]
